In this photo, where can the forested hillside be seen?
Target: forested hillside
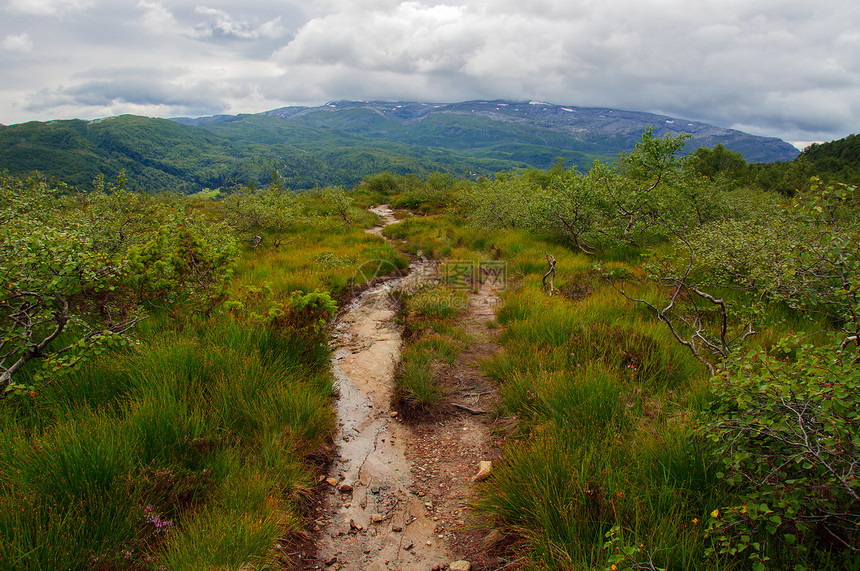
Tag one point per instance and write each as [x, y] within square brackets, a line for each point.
[836, 160]
[839, 159]
[340, 143]
[165, 156]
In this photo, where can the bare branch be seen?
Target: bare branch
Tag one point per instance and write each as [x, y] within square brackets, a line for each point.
[550, 260]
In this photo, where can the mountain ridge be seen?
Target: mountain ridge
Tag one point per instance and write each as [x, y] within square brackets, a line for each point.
[341, 142]
[575, 119]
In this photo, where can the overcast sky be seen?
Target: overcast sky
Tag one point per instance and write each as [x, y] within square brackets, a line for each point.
[784, 68]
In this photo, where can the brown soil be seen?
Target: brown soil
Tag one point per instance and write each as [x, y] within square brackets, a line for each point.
[447, 449]
[397, 495]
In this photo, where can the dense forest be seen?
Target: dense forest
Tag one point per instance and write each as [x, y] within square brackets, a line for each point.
[837, 160]
[681, 395]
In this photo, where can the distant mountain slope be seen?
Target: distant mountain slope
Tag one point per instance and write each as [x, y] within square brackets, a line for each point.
[341, 142]
[483, 124]
[157, 154]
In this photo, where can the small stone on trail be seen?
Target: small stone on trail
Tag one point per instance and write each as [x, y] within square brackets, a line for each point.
[393, 414]
[460, 566]
[330, 561]
[345, 489]
[410, 546]
[331, 481]
[484, 469]
[397, 528]
[376, 518]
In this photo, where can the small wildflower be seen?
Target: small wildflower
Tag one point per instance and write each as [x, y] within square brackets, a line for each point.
[715, 513]
[695, 520]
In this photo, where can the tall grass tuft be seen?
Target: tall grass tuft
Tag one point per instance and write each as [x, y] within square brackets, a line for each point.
[66, 495]
[415, 385]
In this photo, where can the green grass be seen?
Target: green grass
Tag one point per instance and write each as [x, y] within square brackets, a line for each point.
[415, 384]
[433, 340]
[598, 400]
[187, 402]
[202, 423]
[188, 449]
[599, 404]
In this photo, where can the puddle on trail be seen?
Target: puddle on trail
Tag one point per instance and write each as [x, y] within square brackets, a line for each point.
[373, 521]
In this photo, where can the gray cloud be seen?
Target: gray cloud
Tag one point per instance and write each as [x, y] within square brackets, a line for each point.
[141, 88]
[49, 7]
[760, 64]
[220, 23]
[787, 68]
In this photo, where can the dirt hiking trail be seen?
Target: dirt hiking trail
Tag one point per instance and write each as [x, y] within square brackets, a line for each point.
[396, 496]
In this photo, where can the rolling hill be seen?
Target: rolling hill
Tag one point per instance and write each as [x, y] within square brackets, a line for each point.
[341, 142]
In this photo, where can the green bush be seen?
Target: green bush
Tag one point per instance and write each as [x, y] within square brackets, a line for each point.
[786, 427]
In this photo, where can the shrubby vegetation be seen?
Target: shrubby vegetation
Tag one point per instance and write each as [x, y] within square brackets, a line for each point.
[78, 271]
[685, 400]
[760, 289]
[173, 381]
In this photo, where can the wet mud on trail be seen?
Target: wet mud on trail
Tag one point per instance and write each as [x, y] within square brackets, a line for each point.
[396, 494]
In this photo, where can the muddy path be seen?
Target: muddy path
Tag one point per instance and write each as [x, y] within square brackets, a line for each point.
[396, 496]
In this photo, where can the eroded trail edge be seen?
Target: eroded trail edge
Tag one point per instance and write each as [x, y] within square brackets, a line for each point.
[373, 521]
[396, 493]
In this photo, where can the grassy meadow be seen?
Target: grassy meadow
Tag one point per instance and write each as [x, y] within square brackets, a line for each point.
[197, 444]
[605, 465]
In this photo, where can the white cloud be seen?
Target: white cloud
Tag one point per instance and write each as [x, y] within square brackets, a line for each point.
[17, 43]
[49, 7]
[156, 19]
[408, 38]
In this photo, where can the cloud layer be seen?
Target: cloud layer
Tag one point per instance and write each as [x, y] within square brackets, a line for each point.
[786, 68]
